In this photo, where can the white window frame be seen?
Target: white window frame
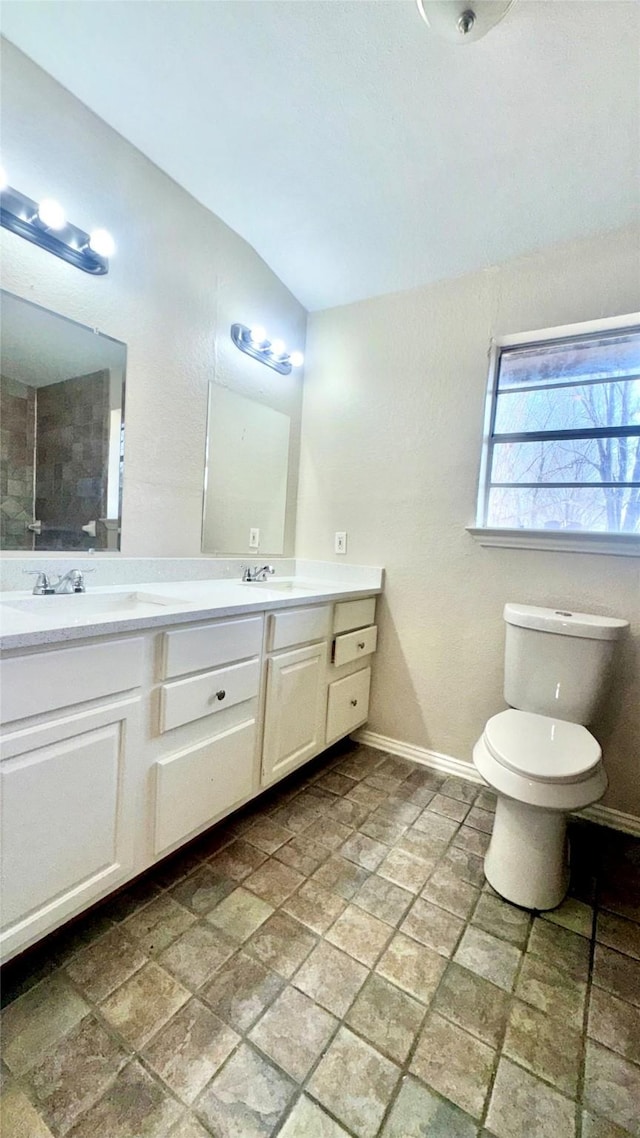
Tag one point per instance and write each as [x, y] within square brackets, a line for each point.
[579, 541]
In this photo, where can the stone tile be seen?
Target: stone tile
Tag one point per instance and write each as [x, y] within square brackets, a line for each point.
[387, 1017]
[295, 816]
[328, 833]
[383, 899]
[547, 987]
[486, 800]
[474, 1004]
[480, 819]
[546, 1046]
[573, 915]
[464, 865]
[457, 788]
[103, 966]
[340, 876]
[158, 924]
[475, 841]
[360, 934]
[241, 990]
[349, 812]
[393, 766]
[619, 933]
[135, 1106]
[398, 811]
[331, 978]
[18, 1118]
[143, 1004]
[617, 974]
[355, 1083]
[417, 1112]
[454, 1063]
[367, 795]
[293, 1032]
[237, 860]
[121, 905]
[435, 827]
[593, 1127]
[282, 943]
[267, 835]
[555, 945]
[274, 882]
[405, 870]
[34, 1023]
[449, 807]
[446, 889]
[503, 920]
[202, 890]
[189, 1127]
[364, 851]
[382, 830]
[247, 1098]
[307, 1120]
[170, 870]
[335, 783]
[240, 914]
[73, 1075]
[489, 957]
[361, 762]
[303, 854]
[433, 926]
[314, 906]
[521, 1104]
[187, 1052]
[412, 966]
[614, 1023]
[197, 954]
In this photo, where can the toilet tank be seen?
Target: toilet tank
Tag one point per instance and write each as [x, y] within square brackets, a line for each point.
[557, 663]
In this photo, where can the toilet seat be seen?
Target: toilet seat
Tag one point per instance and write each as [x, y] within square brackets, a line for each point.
[542, 748]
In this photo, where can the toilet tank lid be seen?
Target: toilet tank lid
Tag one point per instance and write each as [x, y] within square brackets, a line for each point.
[565, 623]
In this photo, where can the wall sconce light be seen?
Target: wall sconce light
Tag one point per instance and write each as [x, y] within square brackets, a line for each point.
[45, 224]
[255, 342]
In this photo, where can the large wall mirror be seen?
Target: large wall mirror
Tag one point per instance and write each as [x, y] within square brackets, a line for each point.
[247, 476]
[62, 416]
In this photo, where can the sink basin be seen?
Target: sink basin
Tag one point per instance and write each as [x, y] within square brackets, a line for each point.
[281, 586]
[82, 606]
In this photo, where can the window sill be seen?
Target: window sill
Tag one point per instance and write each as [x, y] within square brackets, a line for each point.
[618, 544]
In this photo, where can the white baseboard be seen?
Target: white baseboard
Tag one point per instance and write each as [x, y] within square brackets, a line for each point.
[447, 764]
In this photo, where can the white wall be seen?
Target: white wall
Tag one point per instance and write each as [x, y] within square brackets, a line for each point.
[179, 279]
[392, 426]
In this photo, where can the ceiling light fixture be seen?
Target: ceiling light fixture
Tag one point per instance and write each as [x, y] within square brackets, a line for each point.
[463, 21]
[44, 224]
[255, 343]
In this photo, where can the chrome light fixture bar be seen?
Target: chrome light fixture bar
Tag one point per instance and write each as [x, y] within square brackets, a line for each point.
[43, 223]
[255, 343]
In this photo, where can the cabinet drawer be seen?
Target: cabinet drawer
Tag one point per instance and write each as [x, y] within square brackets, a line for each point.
[354, 614]
[348, 705]
[186, 700]
[353, 645]
[298, 626]
[197, 785]
[45, 681]
[192, 649]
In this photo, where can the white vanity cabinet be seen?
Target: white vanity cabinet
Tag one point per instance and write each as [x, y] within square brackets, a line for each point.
[71, 721]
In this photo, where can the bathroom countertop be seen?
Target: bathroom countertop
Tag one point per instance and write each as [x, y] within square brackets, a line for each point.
[136, 607]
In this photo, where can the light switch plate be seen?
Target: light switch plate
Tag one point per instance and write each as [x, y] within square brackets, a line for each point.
[254, 538]
[341, 542]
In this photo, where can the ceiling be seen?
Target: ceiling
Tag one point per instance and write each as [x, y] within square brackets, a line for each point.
[355, 150]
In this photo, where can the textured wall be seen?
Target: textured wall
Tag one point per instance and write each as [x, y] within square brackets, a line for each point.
[179, 279]
[392, 426]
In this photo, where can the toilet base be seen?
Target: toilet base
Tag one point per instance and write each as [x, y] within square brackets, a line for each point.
[527, 861]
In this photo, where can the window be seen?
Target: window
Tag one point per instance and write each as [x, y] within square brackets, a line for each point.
[562, 443]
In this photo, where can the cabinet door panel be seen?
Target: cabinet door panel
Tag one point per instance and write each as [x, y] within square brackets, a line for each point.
[294, 712]
[348, 705]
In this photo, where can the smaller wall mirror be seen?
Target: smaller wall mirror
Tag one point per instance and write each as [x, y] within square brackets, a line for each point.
[62, 415]
[246, 477]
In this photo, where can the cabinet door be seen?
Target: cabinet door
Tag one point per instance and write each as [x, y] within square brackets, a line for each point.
[294, 711]
[348, 704]
[66, 819]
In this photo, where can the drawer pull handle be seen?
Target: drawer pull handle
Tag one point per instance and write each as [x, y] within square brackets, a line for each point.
[221, 694]
[361, 644]
[354, 703]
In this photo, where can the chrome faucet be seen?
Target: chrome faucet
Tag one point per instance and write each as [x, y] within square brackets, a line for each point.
[71, 582]
[258, 574]
[43, 586]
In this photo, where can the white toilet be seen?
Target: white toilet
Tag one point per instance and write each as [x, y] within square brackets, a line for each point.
[539, 759]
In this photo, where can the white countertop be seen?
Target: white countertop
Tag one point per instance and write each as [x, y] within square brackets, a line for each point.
[136, 607]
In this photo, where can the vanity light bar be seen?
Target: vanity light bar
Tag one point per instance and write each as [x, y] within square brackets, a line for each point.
[255, 342]
[44, 224]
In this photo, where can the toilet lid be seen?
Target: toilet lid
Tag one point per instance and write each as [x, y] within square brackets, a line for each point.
[540, 747]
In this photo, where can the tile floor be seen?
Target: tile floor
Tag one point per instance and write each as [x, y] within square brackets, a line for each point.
[330, 962]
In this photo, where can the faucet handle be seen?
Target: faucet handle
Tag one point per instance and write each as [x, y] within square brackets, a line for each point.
[43, 586]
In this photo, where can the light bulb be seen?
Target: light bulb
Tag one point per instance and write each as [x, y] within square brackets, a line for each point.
[258, 334]
[278, 348]
[102, 243]
[51, 214]
[4, 180]
[296, 359]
